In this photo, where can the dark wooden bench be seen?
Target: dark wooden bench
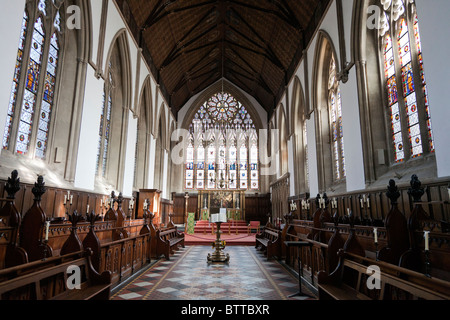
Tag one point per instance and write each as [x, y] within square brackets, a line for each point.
[349, 282]
[269, 240]
[50, 282]
[168, 240]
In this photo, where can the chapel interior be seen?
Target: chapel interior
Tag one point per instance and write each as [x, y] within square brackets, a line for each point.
[166, 148]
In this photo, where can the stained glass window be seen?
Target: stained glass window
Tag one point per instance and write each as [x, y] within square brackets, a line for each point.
[409, 90]
[402, 46]
[36, 75]
[105, 126]
[200, 156]
[233, 178]
[31, 88]
[305, 140]
[391, 81]
[335, 110]
[15, 85]
[222, 107]
[47, 102]
[190, 166]
[226, 147]
[42, 7]
[243, 161]
[254, 173]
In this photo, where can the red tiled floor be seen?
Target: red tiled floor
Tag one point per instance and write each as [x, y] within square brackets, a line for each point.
[188, 276]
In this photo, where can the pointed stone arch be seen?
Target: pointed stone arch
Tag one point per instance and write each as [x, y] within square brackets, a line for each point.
[160, 148]
[121, 40]
[299, 141]
[282, 125]
[84, 53]
[146, 101]
[324, 52]
[145, 120]
[121, 95]
[217, 87]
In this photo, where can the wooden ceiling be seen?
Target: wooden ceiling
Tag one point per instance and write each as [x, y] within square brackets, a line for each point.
[192, 44]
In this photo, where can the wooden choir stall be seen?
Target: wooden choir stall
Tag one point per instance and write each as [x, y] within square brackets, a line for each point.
[405, 236]
[44, 228]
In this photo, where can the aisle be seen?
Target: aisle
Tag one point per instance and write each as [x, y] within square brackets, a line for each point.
[248, 276]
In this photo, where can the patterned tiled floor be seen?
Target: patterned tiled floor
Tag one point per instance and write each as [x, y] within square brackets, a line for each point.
[188, 276]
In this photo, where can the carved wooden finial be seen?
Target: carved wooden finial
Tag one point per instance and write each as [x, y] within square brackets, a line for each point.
[92, 218]
[120, 200]
[336, 219]
[416, 191]
[318, 197]
[39, 189]
[351, 219]
[393, 194]
[74, 218]
[13, 185]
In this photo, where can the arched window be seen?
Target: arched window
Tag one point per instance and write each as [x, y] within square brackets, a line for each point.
[142, 158]
[335, 112]
[407, 96]
[222, 151]
[105, 125]
[34, 83]
[305, 144]
[113, 127]
[298, 120]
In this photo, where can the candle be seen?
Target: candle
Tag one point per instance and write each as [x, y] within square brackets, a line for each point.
[334, 203]
[368, 202]
[427, 242]
[348, 212]
[47, 226]
[71, 200]
[87, 211]
[375, 234]
[65, 199]
[101, 203]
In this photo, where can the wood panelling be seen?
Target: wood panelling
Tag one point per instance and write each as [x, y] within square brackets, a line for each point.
[257, 208]
[53, 200]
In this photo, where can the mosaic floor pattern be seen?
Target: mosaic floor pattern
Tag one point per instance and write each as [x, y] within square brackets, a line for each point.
[188, 276]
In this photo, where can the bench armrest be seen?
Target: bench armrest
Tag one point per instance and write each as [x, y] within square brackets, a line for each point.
[335, 277]
[96, 278]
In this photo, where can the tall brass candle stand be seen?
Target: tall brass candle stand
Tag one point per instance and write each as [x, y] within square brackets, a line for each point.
[218, 255]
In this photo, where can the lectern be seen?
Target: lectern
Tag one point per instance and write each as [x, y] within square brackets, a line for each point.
[218, 255]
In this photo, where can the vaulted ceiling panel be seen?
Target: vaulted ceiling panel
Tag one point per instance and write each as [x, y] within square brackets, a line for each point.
[191, 44]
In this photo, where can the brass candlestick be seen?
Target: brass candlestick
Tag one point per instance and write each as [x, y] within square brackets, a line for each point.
[218, 255]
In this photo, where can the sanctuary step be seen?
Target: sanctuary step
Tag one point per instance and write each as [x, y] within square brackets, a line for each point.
[230, 227]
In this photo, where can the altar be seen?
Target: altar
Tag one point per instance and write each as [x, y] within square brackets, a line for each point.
[211, 201]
